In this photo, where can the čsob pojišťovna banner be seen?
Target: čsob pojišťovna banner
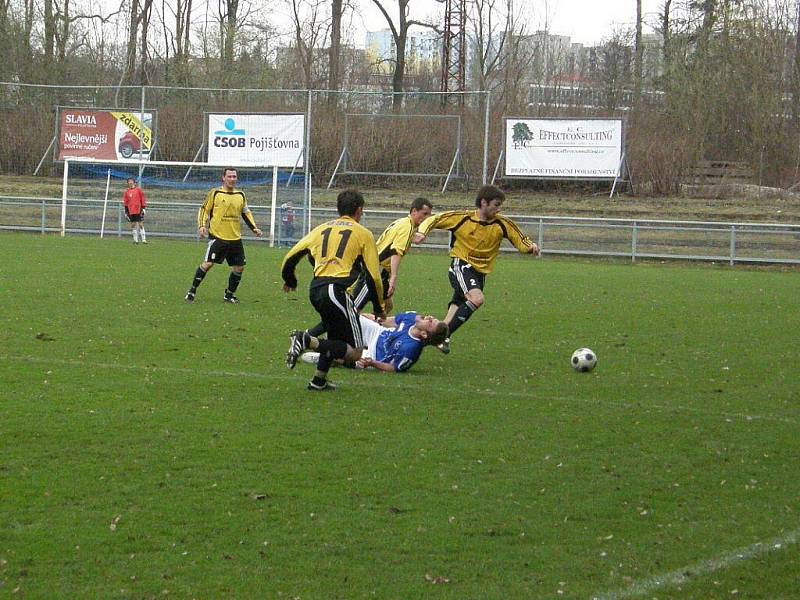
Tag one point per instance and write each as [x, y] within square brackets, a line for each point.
[258, 140]
[104, 134]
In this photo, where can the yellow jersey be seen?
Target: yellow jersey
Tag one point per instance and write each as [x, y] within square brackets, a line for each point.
[339, 251]
[395, 240]
[474, 241]
[221, 212]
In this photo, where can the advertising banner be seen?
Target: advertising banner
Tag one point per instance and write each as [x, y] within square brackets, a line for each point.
[104, 134]
[563, 148]
[259, 140]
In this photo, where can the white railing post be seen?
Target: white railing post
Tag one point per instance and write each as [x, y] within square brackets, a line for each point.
[733, 244]
[634, 238]
[64, 199]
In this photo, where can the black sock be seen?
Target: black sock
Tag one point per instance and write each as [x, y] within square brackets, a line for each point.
[198, 278]
[233, 282]
[317, 330]
[462, 315]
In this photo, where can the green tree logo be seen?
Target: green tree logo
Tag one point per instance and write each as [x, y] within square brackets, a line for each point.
[521, 135]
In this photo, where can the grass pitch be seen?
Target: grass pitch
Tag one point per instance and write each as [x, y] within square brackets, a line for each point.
[150, 448]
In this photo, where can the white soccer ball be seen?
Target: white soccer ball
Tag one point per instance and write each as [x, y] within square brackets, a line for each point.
[583, 359]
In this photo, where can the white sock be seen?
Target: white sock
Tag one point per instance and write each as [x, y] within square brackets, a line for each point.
[135, 235]
[141, 232]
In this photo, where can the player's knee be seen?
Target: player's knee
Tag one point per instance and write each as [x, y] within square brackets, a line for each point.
[237, 269]
[206, 265]
[475, 297]
[353, 354]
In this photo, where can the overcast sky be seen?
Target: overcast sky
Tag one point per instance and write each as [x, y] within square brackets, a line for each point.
[585, 21]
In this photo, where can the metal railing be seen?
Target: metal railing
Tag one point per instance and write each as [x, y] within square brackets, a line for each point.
[728, 242]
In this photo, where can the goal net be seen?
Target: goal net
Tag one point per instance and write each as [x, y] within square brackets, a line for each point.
[92, 193]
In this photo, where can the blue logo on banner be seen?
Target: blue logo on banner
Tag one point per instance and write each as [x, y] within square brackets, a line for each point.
[230, 128]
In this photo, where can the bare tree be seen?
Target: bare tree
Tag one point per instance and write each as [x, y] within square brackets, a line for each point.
[400, 37]
[228, 11]
[309, 31]
[796, 73]
[334, 52]
[638, 56]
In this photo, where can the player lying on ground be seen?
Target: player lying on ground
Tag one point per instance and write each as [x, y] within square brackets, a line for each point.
[395, 344]
[339, 250]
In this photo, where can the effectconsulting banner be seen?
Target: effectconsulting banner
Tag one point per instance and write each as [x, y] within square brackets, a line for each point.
[104, 134]
[258, 140]
[563, 148]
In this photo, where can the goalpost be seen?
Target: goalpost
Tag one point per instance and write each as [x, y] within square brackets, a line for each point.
[174, 191]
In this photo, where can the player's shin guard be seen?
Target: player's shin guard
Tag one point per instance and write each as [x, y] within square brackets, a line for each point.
[462, 315]
[234, 279]
[330, 350]
[198, 277]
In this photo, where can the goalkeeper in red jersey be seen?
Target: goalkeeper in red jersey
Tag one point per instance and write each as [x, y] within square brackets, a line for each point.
[135, 203]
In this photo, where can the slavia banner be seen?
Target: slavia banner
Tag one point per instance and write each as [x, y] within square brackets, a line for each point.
[259, 140]
[104, 134]
[563, 148]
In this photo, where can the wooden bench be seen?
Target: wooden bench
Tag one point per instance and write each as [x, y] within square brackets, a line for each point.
[715, 172]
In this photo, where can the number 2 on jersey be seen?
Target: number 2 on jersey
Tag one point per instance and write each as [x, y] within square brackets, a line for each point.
[345, 235]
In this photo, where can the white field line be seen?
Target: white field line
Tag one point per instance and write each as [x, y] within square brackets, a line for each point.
[377, 380]
[702, 568]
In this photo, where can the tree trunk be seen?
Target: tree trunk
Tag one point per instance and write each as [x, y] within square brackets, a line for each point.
[796, 82]
[334, 52]
[49, 35]
[144, 20]
[230, 23]
[638, 58]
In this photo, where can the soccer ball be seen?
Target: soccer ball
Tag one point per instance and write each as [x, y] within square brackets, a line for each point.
[583, 359]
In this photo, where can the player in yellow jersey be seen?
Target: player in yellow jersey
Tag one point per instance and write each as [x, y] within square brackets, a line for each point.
[339, 251]
[392, 245]
[218, 218]
[475, 237]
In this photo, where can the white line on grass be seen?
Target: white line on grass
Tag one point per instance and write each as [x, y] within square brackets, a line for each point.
[380, 382]
[702, 568]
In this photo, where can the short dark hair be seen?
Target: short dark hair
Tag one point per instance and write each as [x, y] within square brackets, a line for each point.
[131, 179]
[439, 334]
[348, 202]
[489, 193]
[226, 169]
[418, 203]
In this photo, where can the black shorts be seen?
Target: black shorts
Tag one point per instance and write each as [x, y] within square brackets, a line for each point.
[220, 250]
[136, 218]
[463, 278]
[360, 290]
[339, 314]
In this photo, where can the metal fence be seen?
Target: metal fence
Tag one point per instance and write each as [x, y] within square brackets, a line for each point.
[732, 243]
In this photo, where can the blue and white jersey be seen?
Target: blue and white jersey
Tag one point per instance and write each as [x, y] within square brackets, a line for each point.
[397, 346]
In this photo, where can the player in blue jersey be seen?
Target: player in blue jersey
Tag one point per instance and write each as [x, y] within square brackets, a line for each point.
[394, 344]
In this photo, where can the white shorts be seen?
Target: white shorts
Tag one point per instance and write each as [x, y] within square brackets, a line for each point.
[370, 330]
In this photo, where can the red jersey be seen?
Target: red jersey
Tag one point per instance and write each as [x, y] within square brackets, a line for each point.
[134, 200]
